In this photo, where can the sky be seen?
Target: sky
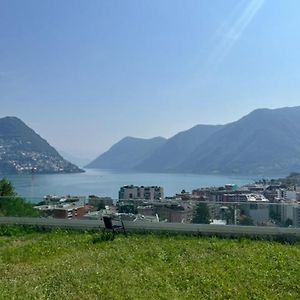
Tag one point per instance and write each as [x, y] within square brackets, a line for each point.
[84, 74]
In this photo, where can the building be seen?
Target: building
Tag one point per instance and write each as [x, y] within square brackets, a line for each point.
[281, 194]
[100, 201]
[146, 210]
[53, 199]
[149, 193]
[171, 212]
[64, 211]
[243, 197]
[231, 187]
[175, 214]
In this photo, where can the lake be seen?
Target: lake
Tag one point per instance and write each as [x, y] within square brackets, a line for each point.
[108, 183]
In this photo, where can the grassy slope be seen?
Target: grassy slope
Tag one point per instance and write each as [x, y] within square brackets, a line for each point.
[69, 266]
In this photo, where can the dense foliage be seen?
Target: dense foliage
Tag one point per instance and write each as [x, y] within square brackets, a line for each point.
[12, 205]
[6, 188]
[201, 214]
[73, 265]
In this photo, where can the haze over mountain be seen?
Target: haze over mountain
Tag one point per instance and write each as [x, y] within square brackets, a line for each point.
[177, 149]
[24, 151]
[76, 160]
[127, 153]
[266, 141]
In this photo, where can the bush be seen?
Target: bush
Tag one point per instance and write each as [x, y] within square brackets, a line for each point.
[17, 207]
[13, 206]
[17, 230]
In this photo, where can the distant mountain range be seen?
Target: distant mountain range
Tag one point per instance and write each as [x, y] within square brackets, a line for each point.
[176, 149]
[127, 154]
[265, 141]
[24, 151]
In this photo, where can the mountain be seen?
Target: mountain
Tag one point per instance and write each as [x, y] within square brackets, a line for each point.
[24, 151]
[264, 142]
[127, 153]
[176, 149]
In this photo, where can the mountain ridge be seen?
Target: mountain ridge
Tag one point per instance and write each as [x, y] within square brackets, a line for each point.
[177, 148]
[22, 150]
[259, 142]
[265, 141]
[127, 153]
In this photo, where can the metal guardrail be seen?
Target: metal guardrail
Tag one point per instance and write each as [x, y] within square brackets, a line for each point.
[158, 227]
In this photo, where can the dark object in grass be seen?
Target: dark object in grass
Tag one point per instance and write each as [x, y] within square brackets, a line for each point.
[112, 227]
[104, 236]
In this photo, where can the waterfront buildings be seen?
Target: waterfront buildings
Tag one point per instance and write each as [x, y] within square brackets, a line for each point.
[255, 204]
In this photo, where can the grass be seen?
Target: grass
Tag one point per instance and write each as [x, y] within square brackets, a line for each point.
[77, 265]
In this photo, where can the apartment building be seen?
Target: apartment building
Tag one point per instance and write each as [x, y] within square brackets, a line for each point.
[149, 193]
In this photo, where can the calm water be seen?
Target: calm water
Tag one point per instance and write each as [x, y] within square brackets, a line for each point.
[107, 183]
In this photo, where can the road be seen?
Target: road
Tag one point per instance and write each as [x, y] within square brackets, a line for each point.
[159, 227]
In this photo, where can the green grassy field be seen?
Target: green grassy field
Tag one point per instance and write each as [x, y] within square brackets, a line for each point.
[62, 265]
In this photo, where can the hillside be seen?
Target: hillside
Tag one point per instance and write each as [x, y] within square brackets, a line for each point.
[264, 142]
[177, 149]
[24, 151]
[68, 265]
[127, 153]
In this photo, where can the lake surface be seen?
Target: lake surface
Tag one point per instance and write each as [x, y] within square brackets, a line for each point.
[108, 183]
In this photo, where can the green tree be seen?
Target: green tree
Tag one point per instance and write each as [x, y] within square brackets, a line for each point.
[229, 215]
[12, 205]
[246, 220]
[288, 222]
[274, 213]
[100, 206]
[201, 214]
[6, 188]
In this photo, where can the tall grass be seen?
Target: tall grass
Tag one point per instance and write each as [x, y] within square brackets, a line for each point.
[89, 265]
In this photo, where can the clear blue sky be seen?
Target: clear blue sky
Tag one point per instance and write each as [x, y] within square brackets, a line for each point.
[84, 74]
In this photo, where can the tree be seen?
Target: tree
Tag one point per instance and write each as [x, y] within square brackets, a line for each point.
[201, 214]
[17, 207]
[12, 205]
[274, 213]
[100, 206]
[288, 222]
[228, 214]
[6, 188]
[246, 220]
